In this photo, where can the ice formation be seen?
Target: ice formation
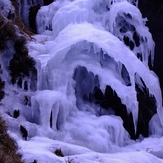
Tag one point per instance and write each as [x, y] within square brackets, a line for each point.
[83, 44]
[50, 105]
[127, 24]
[81, 37]
[24, 7]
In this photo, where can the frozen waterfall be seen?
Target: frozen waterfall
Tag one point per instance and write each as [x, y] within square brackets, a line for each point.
[87, 52]
[92, 34]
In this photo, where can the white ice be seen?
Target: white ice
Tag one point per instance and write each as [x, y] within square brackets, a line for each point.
[75, 34]
[134, 18]
[142, 152]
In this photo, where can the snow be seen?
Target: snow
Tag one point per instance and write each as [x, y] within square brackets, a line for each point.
[125, 16]
[80, 46]
[6, 8]
[143, 152]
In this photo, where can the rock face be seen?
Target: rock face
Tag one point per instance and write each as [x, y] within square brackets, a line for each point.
[109, 102]
[147, 109]
[32, 17]
[153, 11]
[47, 2]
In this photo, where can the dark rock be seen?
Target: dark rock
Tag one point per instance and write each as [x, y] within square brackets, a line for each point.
[32, 17]
[51, 120]
[110, 100]
[16, 113]
[126, 40]
[125, 75]
[47, 2]
[136, 39]
[59, 153]
[139, 55]
[27, 100]
[113, 101]
[153, 10]
[147, 108]
[24, 132]
[98, 95]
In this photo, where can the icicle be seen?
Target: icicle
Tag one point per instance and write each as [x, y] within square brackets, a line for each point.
[51, 102]
[45, 23]
[126, 22]
[24, 8]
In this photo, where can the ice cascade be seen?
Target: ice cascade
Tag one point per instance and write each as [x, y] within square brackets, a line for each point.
[83, 45]
[81, 29]
[93, 35]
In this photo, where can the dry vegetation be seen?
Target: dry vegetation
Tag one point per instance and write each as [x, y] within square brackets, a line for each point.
[16, 19]
[7, 33]
[8, 147]
[13, 35]
[21, 64]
